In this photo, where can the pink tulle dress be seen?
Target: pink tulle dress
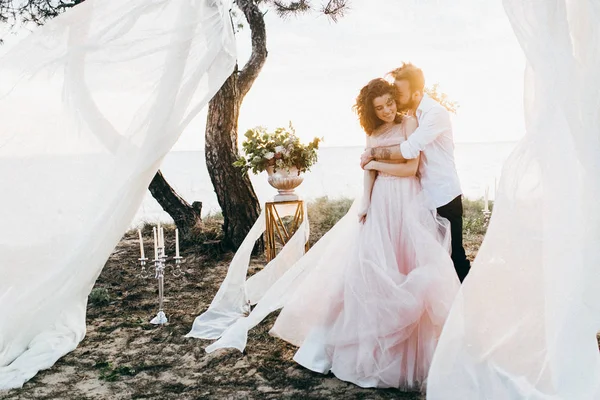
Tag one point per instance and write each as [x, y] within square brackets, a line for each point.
[372, 309]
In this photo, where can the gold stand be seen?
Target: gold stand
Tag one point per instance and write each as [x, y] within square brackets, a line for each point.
[275, 225]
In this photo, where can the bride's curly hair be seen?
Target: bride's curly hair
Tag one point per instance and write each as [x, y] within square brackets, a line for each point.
[364, 103]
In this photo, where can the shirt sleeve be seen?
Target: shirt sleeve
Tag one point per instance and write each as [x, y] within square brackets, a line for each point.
[433, 124]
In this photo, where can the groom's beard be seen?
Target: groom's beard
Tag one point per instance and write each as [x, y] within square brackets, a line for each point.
[410, 107]
[406, 108]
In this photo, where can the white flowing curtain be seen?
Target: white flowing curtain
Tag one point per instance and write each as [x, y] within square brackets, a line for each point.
[90, 104]
[229, 316]
[525, 322]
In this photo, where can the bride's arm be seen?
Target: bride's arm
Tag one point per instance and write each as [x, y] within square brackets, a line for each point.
[389, 154]
[368, 181]
[409, 168]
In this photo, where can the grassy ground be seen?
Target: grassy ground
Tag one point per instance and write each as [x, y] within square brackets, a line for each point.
[125, 357]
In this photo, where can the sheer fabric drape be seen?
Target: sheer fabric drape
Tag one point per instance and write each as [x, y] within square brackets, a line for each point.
[229, 313]
[525, 321]
[90, 104]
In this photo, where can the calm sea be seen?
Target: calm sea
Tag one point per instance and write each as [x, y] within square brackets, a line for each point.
[337, 174]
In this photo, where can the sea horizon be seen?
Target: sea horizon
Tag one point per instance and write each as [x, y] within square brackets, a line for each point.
[337, 174]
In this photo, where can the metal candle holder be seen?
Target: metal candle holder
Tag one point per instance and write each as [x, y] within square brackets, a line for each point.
[160, 263]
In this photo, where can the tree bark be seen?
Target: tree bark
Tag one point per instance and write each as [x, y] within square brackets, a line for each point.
[234, 190]
[184, 215]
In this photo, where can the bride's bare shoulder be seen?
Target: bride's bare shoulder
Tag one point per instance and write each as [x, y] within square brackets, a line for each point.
[409, 125]
[386, 135]
[410, 122]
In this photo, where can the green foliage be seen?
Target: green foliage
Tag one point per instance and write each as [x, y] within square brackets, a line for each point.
[324, 213]
[109, 373]
[442, 98]
[210, 228]
[99, 297]
[474, 222]
[280, 149]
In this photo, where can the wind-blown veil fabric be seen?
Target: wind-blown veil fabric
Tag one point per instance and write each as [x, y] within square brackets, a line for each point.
[524, 324]
[90, 105]
[229, 309]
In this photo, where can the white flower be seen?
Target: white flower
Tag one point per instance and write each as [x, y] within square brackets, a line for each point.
[279, 149]
[269, 155]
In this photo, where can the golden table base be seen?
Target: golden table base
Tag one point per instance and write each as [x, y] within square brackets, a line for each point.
[276, 228]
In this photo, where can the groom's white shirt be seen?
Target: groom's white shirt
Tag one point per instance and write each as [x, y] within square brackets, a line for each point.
[434, 140]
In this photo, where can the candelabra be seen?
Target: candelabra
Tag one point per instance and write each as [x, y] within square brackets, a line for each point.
[160, 264]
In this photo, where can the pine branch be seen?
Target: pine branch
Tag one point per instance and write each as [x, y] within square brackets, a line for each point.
[335, 9]
[284, 9]
[36, 11]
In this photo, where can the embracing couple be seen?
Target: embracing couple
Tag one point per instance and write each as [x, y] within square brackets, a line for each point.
[368, 301]
[428, 143]
[372, 310]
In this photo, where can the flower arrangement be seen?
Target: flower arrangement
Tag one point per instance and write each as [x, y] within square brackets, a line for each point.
[280, 149]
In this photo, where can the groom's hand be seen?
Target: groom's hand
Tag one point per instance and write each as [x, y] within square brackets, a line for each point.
[366, 158]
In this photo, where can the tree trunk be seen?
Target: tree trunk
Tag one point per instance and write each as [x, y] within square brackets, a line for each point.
[184, 215]
[234, 190]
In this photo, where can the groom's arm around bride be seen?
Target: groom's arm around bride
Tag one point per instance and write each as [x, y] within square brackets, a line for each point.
[434, 141]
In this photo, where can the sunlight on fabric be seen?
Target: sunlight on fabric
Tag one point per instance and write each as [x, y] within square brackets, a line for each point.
[90, 104]
[525, 323]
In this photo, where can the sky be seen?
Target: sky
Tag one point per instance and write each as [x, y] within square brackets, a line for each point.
[315, 68]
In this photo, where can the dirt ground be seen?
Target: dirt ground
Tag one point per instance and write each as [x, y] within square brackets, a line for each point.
[123, 356]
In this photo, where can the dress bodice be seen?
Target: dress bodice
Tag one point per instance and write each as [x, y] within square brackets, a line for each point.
[393, 135]
[388, 136]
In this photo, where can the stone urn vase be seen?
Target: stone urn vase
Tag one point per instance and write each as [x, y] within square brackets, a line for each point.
[285, 181]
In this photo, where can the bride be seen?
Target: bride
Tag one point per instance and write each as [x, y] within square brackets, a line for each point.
[369, 300]
[373, 311]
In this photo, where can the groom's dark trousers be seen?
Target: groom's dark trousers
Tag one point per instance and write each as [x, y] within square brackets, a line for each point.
[453, 212]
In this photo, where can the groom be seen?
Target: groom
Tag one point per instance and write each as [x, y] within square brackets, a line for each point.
[434, 141]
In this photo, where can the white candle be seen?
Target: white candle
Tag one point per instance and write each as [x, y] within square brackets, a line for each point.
[176, 242]
[162, 238]
[155, 243]
[141, 243]
[486, 207]
[158, 230]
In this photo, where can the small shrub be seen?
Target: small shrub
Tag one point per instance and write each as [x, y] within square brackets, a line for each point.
[109, 373]
[99, 297]
[209, 229]
[324, 213]
[473, 218]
